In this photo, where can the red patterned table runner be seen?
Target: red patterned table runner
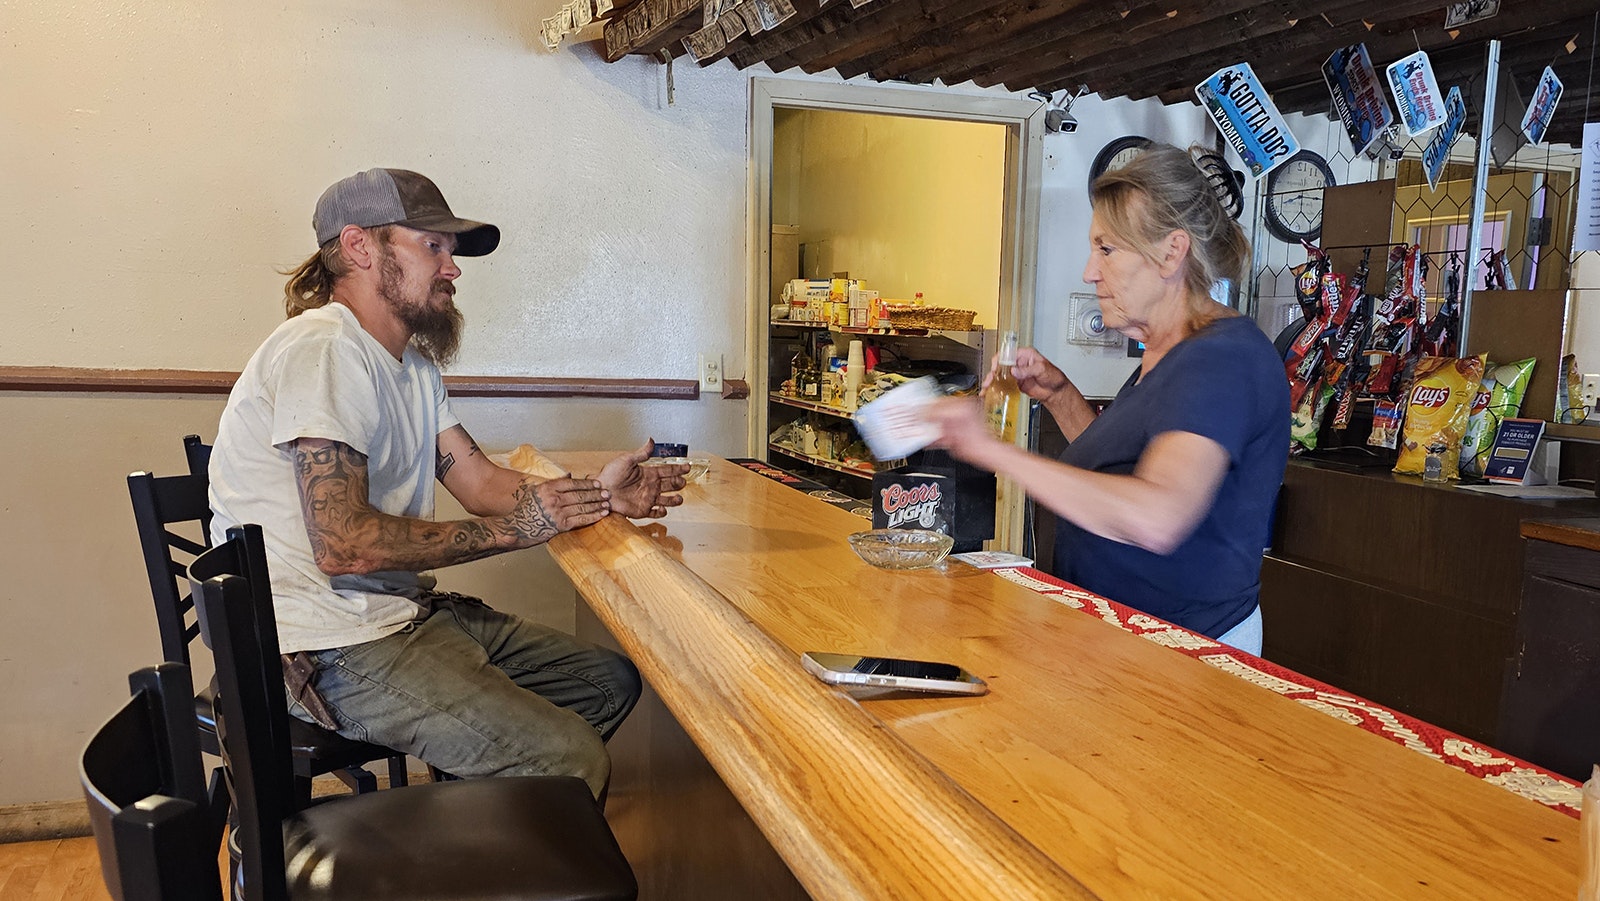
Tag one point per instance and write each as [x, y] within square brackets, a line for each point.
[1486, 763]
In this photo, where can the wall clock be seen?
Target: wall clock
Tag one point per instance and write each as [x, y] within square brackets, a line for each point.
[1116, 154]
[1294, 197]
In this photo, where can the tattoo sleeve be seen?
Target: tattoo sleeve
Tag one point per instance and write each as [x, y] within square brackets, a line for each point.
[349, 536]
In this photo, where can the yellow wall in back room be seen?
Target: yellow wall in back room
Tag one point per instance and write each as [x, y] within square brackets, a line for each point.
[906, 204]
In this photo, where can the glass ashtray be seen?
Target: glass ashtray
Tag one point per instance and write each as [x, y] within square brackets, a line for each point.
[698, 466]
[901, 548]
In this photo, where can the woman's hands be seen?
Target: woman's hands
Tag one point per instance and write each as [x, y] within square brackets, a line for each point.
[1041, 380]
[641, 491]
[963, 429]
[1038, 378]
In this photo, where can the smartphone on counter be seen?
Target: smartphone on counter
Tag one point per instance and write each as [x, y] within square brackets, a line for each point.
[892, 672]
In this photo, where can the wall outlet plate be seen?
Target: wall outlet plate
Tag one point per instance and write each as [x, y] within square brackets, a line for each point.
[710, 370]
[1591, 389]
[1084, 325]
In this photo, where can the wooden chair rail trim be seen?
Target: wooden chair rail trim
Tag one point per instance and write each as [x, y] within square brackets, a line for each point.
[202, 381]
[774, 734]
[1578, 533]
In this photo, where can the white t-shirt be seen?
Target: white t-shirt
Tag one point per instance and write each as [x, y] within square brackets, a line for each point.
[321, 375]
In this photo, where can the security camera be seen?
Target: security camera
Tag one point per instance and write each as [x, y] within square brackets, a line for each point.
[1059, 120]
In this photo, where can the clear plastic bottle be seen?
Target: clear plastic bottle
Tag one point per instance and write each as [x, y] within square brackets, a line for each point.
[1002, 400]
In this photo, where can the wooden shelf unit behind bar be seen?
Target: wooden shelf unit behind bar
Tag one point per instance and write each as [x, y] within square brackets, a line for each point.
[1398, 590]
[825, 463]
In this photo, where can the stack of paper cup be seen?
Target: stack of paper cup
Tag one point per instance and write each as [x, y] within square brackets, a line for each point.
[854, 370]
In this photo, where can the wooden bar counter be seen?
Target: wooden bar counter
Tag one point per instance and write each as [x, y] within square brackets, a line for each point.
[1099, 765]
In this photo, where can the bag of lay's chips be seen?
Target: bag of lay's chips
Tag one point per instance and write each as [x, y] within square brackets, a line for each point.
[1499, 397]
[1436, 413]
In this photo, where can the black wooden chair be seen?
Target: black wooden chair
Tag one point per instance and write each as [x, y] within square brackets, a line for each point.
[160, 505]
[141, 775]
[533, 837]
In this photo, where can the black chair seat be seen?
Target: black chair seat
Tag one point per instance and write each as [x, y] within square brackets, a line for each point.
[148, 804]
[478, 839]
[159, 505]
[536, 837]
[315, 749]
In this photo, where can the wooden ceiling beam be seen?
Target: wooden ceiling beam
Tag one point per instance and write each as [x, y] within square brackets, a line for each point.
[1151, 30]
[1461, 66]
[1171, 46]
[1309, 43]
[645, 26]
[834, 31]
[804, 11]
[1514, 30]
[896, 25]
[936, 52]
[1081, 27]
[1270, 39]
[773, 47]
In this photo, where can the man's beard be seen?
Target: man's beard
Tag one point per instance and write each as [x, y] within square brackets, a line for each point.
[435, 330]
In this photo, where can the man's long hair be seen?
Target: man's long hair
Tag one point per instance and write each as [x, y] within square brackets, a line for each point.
[310, 284]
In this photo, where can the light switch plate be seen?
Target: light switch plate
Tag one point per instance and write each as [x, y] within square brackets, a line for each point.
[711, 372]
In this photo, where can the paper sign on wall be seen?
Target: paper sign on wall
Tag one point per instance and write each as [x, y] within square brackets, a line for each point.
[1587, 235]
[1416, 93]
[1358, 95]
[1437, 153]
[1543, 108]
[1247, 118]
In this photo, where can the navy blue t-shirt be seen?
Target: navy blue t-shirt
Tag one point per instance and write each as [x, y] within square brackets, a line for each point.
[1226, 383]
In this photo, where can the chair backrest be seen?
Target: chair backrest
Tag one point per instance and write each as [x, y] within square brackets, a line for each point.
[231, 585]
[198, 454]
[159, 503]
[141, 776]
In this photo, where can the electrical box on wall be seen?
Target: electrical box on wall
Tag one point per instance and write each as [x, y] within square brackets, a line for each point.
[1085, 325]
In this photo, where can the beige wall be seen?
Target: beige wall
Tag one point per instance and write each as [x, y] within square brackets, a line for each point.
[158, 161]
[907, 204]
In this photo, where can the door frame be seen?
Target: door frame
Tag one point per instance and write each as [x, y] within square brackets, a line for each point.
[1019, 241]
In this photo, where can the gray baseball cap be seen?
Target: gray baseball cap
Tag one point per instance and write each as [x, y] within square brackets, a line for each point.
[397, 197]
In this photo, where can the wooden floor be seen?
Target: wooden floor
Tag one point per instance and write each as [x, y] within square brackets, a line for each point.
[66, 869]
[56, 870]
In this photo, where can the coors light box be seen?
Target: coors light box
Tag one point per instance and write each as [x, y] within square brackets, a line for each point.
[934, 491]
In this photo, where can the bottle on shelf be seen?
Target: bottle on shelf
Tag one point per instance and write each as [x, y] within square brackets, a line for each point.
[807, 383]
[1002, 400]
[811, 384]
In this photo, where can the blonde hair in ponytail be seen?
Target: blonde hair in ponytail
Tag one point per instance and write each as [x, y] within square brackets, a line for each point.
[1162, 191]
[310, 284]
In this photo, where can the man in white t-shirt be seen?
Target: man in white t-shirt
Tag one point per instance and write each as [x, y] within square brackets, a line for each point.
[332, 440]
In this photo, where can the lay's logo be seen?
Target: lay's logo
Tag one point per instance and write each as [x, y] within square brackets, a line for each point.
[1481, 402]
[1429, 396]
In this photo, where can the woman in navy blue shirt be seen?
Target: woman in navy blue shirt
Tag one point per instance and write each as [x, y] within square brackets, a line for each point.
[1164, 498]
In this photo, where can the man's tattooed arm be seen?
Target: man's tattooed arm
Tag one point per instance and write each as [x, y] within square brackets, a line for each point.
[349, 536]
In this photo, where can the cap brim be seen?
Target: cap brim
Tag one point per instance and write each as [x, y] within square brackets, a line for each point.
[473, 239]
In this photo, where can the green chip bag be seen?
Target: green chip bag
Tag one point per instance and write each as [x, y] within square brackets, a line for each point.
[1499, 397]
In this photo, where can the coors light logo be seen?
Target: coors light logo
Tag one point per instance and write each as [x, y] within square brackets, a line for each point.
[919, 504]
[1429, 396]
